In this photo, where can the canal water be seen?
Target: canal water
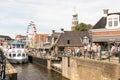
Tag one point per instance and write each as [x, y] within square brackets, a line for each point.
[33, 71]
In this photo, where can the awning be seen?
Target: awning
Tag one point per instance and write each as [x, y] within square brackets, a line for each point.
[17, 43]
[106, 38]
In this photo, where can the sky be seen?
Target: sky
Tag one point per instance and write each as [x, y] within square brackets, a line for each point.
[48, 15]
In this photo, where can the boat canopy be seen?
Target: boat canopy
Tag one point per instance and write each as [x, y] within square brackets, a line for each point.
[17, 43]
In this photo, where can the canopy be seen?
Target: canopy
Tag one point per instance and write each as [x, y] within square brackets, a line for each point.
[17, 43]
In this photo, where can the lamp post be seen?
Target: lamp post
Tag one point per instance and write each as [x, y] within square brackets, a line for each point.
[91, 41]
[85, 41]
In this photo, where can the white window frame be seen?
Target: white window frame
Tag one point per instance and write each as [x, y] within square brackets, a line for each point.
[111, 22]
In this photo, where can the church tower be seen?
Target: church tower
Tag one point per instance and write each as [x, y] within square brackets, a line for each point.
[74, 20]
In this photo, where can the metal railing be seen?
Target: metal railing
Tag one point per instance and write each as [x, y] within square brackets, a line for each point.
[92, 55]
[2, 65]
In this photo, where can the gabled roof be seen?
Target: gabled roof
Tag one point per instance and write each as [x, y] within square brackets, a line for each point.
[118, 13]
[56, 34]
[5, 37]
[102, 22]
[74, 38]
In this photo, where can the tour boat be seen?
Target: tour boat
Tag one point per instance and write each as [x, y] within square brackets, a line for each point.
[17, 53]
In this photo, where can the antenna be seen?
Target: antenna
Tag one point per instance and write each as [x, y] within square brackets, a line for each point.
[74, 9]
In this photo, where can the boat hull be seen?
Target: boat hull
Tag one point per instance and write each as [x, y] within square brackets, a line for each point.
[18, 60]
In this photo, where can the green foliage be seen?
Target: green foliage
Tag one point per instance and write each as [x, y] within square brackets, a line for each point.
[83, 27]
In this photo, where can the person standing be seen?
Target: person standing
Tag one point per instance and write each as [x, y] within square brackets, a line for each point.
[113, 50]
[98, 51]
[94, 50]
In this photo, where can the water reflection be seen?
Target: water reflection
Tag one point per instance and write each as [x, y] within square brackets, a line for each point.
[32, 71]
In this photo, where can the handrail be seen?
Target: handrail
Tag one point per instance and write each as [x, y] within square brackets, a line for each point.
[3, 66]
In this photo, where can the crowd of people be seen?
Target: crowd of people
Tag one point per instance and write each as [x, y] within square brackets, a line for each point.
[96, 49]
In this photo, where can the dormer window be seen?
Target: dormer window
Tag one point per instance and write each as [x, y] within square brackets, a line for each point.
[115, 21]
[112, 22]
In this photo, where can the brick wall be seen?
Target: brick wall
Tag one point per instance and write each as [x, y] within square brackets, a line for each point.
[104, 33]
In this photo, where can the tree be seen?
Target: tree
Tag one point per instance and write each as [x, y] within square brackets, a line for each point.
[83, 27]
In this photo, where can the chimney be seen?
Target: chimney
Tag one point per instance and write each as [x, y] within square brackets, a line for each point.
[105, 12]
[62, 30]
[53, 31]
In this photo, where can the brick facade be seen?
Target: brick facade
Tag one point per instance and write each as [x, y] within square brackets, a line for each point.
[106, 33]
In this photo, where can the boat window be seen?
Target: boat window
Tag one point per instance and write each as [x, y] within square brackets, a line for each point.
[18, 54]
[18, 46]
[14, 55]
[22, 46]
[13, 46]
[23, 54]
[10, 55]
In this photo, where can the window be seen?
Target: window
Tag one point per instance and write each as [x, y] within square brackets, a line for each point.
[110, 23]
[18, 46]
[10, 55]
[18, 55]
[14, 55]
[23, 54]
[115, 23]
[68, 41]
[22, 46]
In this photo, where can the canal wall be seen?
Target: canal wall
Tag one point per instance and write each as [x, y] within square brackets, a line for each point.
[38, 60]
[76, 68]
[86, 69]
[11, 73]
[66, 67]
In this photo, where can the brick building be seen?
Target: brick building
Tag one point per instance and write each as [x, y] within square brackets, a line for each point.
[107, 30]
[40, 39]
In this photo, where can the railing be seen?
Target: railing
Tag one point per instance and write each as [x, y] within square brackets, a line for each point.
[92, 55]
[85, 54]
[2, 65]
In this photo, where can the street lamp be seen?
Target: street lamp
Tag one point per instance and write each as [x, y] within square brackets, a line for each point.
[90, 35]
[85, 41]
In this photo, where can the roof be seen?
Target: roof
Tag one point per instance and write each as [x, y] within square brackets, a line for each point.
[5, 37]
[118, 13]
[56, 34]
[102, 22]
[71, 38]
[20, 43]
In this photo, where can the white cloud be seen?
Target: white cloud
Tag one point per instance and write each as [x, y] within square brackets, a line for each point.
[53, 14]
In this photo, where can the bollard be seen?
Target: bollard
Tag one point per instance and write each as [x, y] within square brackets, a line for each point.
[90, 52]
[100, 55]
[119, 55]
[93, 55]
[109, 56]
[84, 53]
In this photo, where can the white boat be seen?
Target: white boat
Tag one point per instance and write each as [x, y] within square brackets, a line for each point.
[17, 53]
